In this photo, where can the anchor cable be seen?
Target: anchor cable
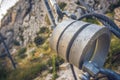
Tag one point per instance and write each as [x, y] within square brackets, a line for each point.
[105, 21]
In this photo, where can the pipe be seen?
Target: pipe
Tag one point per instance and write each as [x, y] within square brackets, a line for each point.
[110, 74]
[50, 14]
[106, 21]
[7, 50]
[57, 8]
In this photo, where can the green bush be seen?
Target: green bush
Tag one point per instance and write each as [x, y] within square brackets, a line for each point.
[77, 2]
[27, 73]
[43, 30]
[55, 76]
[49, 62]
[114, 49]
[32, 53]
[54, 62]
[21, 53]
[21, 37]
[39, 40]
[45, 46]
[62, 5]
[3, 73]
[54, 68]
[58, 61]
[16, 43]
[93, 21]
[115, 45]
[113, 6]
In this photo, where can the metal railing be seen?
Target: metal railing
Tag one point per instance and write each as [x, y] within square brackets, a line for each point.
[7, 52]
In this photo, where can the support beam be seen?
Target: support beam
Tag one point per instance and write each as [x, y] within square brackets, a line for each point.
[7, 51]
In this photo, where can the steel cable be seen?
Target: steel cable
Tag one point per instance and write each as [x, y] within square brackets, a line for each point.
[105, 21]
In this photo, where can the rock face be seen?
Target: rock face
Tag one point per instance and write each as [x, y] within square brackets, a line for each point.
[23, 21]
[117, 16]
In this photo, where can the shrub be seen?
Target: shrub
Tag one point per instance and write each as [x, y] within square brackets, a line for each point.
[3, 73]
[32, 53]
[55, 76]
[27, 73]
[54, 67]
[77, 2]
[43, 30]
[39, 40]
[45, 46]
[114, 50]
[58, 61]
[54, 62]
[21, 37]
[21, 53]
[115, 45]
[93, 21]
[49, 62]
[16, 43]
[113, 6]
[62, 5]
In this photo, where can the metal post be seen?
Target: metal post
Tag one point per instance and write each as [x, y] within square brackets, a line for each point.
[7, 50]
[50, 14]
[57, 8]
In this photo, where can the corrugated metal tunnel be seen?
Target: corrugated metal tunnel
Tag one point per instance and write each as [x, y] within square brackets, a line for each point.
[78, 41]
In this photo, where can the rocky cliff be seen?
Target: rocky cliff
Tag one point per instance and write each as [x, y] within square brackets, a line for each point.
[23, 21]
